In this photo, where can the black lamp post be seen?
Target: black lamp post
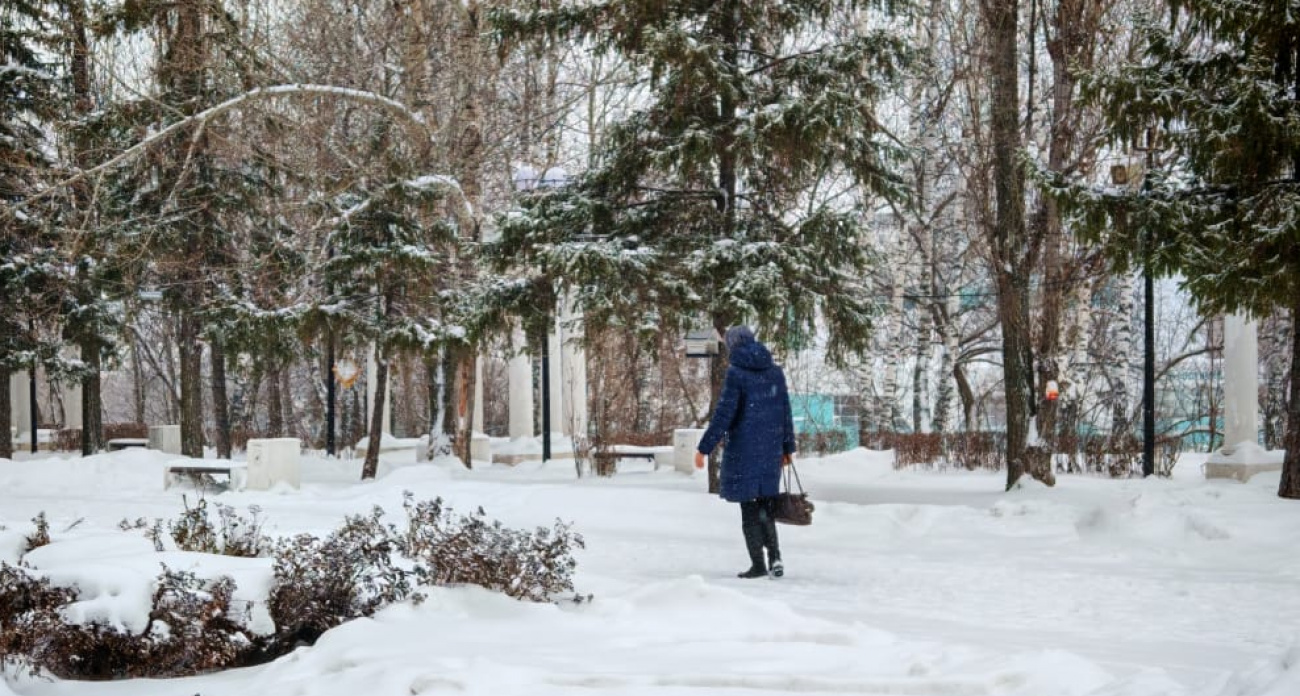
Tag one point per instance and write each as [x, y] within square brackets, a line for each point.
[1149, 331]
[1120, 175]
[528, 179]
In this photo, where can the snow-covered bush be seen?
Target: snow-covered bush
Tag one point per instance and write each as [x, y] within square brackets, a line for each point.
[533, 565]
[191, 630]
[320, 583]
[231, 535]
[194, 625]
[41, 536]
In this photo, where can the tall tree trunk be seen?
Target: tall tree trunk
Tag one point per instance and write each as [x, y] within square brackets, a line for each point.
[92, 400]
[467, 160]
[1010, 247]
[1122, 371]
[1290, 485]
[370, 467]
[921, 374]
[220, 402]
[894, 359]
[288, 415]
[6, 415]
[137, 380]
[191, 379]
[943, 403]
[274, 409]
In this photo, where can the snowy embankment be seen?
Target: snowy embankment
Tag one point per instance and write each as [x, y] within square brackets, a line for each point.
[907, 583]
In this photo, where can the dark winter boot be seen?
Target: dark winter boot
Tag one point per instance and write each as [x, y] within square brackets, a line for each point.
[767, 520]
[752, 526]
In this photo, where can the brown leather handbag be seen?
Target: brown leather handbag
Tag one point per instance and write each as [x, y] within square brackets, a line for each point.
[792, 504]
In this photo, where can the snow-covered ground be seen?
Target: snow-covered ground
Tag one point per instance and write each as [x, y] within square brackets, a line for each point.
[915, 583]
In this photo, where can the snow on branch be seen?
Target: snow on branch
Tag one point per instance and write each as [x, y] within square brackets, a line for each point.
[420, 129]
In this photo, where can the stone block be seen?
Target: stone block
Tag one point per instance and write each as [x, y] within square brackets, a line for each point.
[480, 448]
[685, 441]
[272, 461]
[165, 438]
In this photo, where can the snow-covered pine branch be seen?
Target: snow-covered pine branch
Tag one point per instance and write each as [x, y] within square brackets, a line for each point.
[419, 129]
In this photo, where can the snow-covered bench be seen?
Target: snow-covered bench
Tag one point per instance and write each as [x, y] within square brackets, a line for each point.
[178, 470]
[607, 460]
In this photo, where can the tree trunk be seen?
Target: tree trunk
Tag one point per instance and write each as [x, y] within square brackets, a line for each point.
[191, 379]
[92, 402]
[288, 415]
[466, 371]
[137, 381]
[1011, 252]
[1290, 486]
[370, 467]
[6, 415]
[220, 403]
[274, 408]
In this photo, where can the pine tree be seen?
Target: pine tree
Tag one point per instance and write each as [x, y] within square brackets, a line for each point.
[705, 202]
[30, 269]
[1218, 91]
[171, 209]
[393, 249]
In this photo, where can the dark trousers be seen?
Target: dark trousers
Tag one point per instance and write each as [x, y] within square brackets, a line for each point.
[758, 522]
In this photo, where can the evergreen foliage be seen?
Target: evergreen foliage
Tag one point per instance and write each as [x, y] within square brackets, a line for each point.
[29, 262]
[705, 201]
[1217, 94]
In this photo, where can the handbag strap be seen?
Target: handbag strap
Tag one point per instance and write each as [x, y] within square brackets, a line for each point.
[790, 470]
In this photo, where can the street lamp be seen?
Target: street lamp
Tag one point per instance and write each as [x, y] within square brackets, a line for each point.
[1120, 176]
[527, 179]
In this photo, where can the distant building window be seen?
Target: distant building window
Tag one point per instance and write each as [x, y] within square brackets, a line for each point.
[846, 409]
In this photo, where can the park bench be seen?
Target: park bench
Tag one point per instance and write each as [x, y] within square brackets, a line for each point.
[607, 460]
[175, 472]
[121, 443]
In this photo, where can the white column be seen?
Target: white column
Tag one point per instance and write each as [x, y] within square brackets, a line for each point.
[521, 388]
[1241, 456]
[556, 350]
[1240, 382]
[72, 416]
[575, 377]
[18, 403]
[478, 393]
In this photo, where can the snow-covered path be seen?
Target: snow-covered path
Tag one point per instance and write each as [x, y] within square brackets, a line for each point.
[907, 583]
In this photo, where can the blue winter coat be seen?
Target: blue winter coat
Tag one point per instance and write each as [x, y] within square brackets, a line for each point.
[753, 416]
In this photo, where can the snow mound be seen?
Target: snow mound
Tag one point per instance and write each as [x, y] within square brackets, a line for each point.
[1279, 676]
[116, 575]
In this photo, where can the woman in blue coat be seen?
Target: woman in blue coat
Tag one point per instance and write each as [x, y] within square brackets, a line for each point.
[754, 421]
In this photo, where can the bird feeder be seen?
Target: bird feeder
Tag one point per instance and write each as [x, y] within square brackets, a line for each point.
[1053, 391]
[347, 372]
[702, 343]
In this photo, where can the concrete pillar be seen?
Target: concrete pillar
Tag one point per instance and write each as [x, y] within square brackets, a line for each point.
[477, 422]
[521, 388]
[165, 438]
[18, 398]
[1240, 382]
[272, 461]
[575, 377]
[72, 417]
[685, 444]
[372, 381]
[1241, 456]
[556, 348]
